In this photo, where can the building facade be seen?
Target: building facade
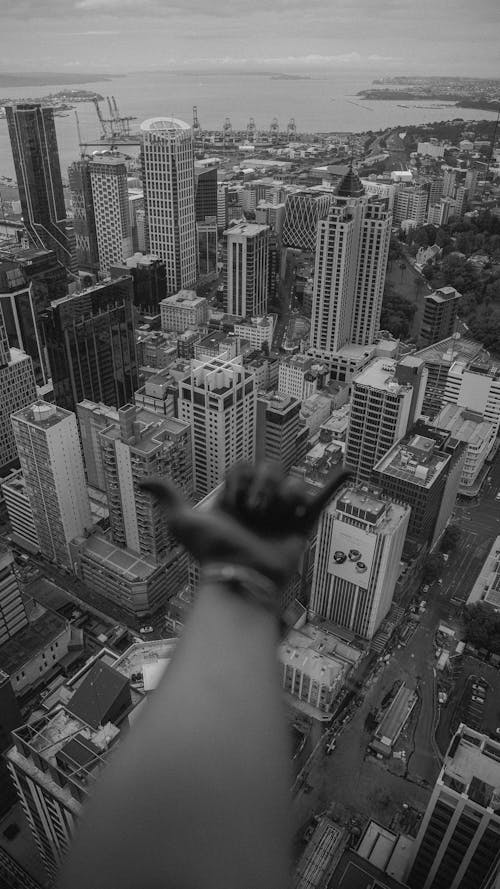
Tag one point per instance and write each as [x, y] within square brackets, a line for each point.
[440, 316]
[108, 177]
[12, 611]
[303, 212]
[246, 258]
[51, 461]
[82, 202]
[358, 551]
[277, 428]
[148, 277]
[169, 198]
[17, 389]
[183, 311]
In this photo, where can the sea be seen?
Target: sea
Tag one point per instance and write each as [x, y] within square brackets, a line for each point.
[325, 102]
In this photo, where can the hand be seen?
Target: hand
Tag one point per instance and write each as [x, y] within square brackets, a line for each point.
[260, 519]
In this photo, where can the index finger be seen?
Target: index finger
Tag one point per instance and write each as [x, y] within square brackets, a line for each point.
[333, 484]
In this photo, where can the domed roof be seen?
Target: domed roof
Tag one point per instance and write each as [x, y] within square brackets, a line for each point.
[351, 185]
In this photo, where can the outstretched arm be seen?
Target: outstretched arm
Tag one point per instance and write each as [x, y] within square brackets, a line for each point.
[198, 794]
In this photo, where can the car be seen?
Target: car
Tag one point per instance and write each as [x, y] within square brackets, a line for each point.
[445, 557]
[440, 581]
[146, 630]
[497, 496]
[477, 699]
[497, 731]
[426, 588]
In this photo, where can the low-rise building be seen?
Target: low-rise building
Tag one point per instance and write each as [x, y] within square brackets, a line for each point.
[256, 331]
[487, 585]
[158, 394]
[315, 411]
[310, 672]
[36, 650]
[183, 310]
[301, 376]
[478, 434]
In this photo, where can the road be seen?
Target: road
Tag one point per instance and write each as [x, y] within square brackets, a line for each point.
[286, 290]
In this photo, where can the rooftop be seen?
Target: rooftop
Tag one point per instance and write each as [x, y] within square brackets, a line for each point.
[97, 698]
[487, 585]
[121, 561]
[350, 185]
[362, 504]
[249, 229]
[472, 767]
[28, 641]
[452, 349]
[184, 298]
[150, 430]
[443, 294]
[42, 414]
[150, 659]
[380, 374]
[164, 124]
[465, 425]
[415, 459]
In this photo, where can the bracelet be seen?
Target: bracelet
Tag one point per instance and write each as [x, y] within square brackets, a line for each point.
[245, 582]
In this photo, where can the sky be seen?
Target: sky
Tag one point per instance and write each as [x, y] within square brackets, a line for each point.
[448, 37]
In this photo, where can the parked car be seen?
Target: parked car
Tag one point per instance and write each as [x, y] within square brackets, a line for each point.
[146, 630]
[477, 699]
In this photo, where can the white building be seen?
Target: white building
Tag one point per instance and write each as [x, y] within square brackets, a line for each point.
[352, 247]
[246, 263]
[431, 149]
[487, 585]
[52, 465]
[256, 331]
[183, 311]
[359, 546]
[387, 397]
[108, 177]
[475, 385]
[410, 204]
[478, 434]
[308, 674]
[218, 400]
[169, 198]
[301, 376]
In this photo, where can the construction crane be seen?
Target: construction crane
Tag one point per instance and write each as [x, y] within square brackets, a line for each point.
[251, 128]
[274, 129]
[291, 128]
[116, 126]
[196, 124]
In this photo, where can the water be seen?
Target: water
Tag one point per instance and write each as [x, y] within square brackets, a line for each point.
[322, 104]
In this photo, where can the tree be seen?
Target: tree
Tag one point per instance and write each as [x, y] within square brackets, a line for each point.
[432, 568]
[450, 539]
[482, 626]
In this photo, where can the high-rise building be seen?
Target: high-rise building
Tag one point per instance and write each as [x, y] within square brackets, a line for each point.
[148, 277]
[416, 471]
[12, 611]
[17, 389]
[246, 259]
[218, 401]
[277, 428]
[108, 177]
[205, 200]
[359, 546]
[51, 461]
[142, 445]
[478, 436]
[10, 719]
[183, 311]
[386, 400]
[36, 161]
[84, 224]
[92, 419]
[207, 247]
[21, 519]
[475, 385]
[458, 843]
[303, 212]
[440, 316]
[90, 344]
[351, 259]
[410, 204]
[29, 280]
[169, 198]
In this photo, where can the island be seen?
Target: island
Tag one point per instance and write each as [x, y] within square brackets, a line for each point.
[480, 93]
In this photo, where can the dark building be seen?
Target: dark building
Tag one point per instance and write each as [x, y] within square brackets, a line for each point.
[86, 252]
[149, 279]
[10, 719]
[277, 428]
[90, 345]
[36, 160]
[205, 194]
[29, 280]
[440, 316]
[273, 267]
[207, 247]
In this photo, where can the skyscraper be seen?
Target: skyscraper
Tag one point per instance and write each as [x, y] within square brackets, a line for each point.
[148, 276]
[205, 192]
[440, 316]
[108, 177]
[352, 247]
[139, 446]
[87, 254]
[246, 258]
[17, 389]
[458, 843]
[91, 346]
[359, 546]
[218, 401]
[277, 428]
[51, 461]
[169, 198]
[36, 161]
[386, 400]
[303, 212]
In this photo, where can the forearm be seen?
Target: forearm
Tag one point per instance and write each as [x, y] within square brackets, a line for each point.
[197, 796]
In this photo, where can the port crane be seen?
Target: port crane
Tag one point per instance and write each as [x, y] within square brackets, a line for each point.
[251, 130]
[274, 129]
[196, 124]
[291, 129]
[227, 130]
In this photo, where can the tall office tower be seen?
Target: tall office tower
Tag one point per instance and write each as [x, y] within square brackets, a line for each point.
[207, 247]
[416, 471]
[90, 344]
[36, 161]
[222, 206]
[351, 260]
[205, 184]
[410, 204]
[471, 182]
[92, 419]
[169, 201]
[303, 212]
[435, 190]
[108, 177]
[51, 461]
[359, 546]
[12, 611]
[82, 201]
[17, 389]
[440, 316]
[273, 275]
[218, 401]
[54, 764]
[10, 719]
[386, 400]
[450, 181]
[142, 445]
[149, 280]
[458, 843]
[277, 428]
[29, 280]
[246, 260]
[182, 311]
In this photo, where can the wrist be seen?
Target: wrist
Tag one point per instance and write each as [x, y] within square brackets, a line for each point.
[244, 583]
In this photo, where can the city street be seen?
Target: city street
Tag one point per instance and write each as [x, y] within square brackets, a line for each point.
[286, 296]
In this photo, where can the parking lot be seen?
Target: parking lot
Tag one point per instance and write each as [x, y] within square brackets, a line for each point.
[474, 699]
